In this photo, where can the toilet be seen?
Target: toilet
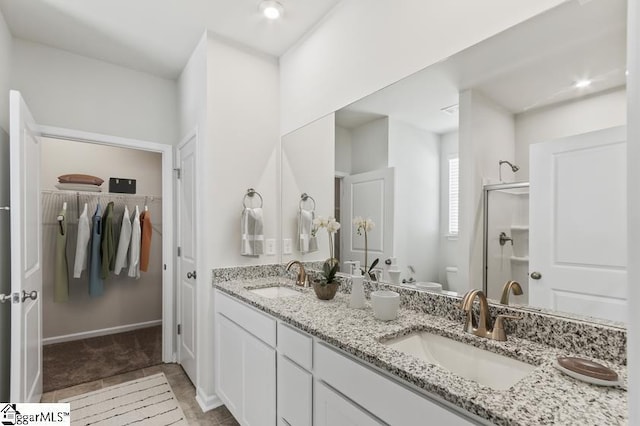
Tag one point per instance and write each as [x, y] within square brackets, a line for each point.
[452, 277]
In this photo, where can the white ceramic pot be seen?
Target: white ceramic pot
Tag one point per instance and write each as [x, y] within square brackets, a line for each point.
[385, 304]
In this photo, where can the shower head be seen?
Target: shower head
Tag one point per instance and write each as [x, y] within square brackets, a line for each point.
[514, 168]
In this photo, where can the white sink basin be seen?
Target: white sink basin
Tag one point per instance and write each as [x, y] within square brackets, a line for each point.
[275, 292]
[486, 368]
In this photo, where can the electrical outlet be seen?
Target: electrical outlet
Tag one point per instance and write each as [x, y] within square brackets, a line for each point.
[270, 249]
[286, 246]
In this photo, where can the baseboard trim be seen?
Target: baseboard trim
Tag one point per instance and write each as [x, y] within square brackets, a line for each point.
[101, 332]
[207, 402]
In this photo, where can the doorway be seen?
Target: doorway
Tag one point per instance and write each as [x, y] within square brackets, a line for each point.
[134, 316]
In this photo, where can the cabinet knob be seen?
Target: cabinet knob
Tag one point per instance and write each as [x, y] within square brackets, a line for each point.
[536, 275]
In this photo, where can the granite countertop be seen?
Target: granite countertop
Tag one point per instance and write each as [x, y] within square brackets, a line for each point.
[544, 397]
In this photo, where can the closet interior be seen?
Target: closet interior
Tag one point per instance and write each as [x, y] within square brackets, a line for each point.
[92, 334]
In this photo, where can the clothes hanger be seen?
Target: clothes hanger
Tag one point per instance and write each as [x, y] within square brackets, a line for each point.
[61, 218]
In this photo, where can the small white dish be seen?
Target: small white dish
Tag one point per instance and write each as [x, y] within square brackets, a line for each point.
[385, 304]
[587, 379]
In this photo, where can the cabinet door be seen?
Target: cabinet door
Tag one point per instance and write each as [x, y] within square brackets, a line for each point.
[331, 409]
[230, 341]
[259, 383]
[294, 393]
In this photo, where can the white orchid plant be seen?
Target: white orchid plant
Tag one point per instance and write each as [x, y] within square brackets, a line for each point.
[363, 227]
[332, 226]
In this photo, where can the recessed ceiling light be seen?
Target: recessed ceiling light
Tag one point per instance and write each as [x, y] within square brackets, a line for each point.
[271, 9]
[581, 84]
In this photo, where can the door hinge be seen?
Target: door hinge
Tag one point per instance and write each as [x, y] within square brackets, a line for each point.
[178, 173]
[179, 329]
[179, 251]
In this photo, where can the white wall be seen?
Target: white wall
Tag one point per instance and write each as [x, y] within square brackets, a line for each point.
[239, 148]
[343, 150]
[64, 157]
[6, 42]
[365, 45]
[572, 118]
[120, 305]
[448, 244]
[192, 95]
[415, 155]
[370, 146]
[486, 136]
[67, 90]
[307, 166]
[5, 271]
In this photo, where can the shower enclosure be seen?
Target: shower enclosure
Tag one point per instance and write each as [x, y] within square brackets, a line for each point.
[506, 239]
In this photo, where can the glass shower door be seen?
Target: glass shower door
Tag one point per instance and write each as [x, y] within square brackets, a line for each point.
[506, 239]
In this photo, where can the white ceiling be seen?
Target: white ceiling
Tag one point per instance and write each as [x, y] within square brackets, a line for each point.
[157, 36]
[532, 65]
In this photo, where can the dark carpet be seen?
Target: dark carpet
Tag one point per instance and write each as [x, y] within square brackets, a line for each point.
[72, 363]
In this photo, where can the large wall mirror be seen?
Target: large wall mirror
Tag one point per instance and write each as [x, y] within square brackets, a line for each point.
[504, 162]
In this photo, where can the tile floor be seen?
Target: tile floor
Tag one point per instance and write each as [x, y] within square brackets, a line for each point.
[180, 383]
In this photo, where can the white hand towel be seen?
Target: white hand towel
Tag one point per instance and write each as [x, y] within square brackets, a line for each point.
[308, 242]
[252, 242]
[123, 243]
[82, 244]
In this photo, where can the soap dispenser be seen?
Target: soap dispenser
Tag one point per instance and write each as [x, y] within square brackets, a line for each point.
[394, 272]
[357, 300]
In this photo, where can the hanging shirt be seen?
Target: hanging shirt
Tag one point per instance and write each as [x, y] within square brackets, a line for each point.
[145, 246]
[123, 243]
[82, 244]
[61, 283]
[134, 248]
[108, 242]
[96, 283]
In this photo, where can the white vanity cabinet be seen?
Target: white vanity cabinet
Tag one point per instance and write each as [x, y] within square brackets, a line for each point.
[246, 362]
[332, 409]
[295, 380]
[386, 399]
[269, 372]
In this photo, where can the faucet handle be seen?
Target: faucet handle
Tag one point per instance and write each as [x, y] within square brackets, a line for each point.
[498, 332]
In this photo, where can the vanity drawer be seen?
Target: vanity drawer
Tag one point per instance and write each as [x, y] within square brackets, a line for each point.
[295, 345]
[384, 398]
[260, 325]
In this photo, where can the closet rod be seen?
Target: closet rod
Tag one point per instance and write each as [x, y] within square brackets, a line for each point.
[102, 194]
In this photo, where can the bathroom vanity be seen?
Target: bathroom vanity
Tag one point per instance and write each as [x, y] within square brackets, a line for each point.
[291, 359]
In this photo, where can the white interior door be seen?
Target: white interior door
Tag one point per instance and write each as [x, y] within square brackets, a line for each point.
[578, 224]
[368, 195]
[187, 256]
[26, 255]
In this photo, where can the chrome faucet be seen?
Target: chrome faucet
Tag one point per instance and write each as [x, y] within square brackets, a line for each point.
[483, 327]
[508, 287]
[504, 238]
[301, 279]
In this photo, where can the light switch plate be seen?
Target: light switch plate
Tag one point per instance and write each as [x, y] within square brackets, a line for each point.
[286, 246]
[270, 249]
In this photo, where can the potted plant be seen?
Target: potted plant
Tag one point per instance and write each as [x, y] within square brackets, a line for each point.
[327, 286]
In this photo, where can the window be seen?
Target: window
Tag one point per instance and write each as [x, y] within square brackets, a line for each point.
[453, 196]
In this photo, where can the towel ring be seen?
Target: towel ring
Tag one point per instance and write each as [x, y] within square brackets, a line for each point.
[306, 197]
[250, 194]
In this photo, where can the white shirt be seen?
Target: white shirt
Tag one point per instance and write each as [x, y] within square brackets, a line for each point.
[123, 244]
[134, 248]
[82, 244]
